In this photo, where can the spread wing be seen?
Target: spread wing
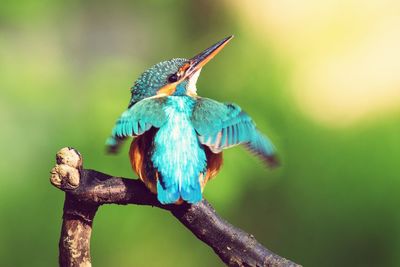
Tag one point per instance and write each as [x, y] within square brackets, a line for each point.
[220, 126]
[136, 120]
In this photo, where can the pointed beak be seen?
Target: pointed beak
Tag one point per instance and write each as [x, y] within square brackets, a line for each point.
[198, 61]
[193, 65]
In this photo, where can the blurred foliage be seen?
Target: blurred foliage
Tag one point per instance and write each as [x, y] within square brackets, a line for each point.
[66, 67]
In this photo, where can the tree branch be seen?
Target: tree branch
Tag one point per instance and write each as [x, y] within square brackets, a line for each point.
[86, 190]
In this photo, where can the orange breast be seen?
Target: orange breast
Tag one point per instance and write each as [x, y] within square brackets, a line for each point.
[214, 163]
[139, 157]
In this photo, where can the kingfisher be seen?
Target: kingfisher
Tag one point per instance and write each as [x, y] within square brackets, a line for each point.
[178, 136]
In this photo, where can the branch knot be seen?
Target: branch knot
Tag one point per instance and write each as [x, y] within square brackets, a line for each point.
[66, 173]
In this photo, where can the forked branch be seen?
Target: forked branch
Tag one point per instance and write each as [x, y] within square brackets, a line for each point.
[86, 190]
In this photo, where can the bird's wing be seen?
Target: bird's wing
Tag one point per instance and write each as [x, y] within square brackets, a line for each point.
[136, 120]
[220, 126]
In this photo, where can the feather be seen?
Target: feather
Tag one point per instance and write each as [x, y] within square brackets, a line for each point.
[228, 126]
[138, 119]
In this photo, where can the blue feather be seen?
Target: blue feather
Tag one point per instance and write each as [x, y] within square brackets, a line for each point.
[178, 156]
[229, 120]
[138, 119]
[167, 195]
[135, 127]
[223, 137]
[191, 194]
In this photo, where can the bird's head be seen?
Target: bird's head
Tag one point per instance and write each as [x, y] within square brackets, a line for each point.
[177, 76]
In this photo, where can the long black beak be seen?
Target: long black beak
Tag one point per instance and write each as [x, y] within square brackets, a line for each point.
[194, 64]
[198, 61]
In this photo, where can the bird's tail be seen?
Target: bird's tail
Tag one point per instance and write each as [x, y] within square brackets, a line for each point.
[190, 190]
[173, 191]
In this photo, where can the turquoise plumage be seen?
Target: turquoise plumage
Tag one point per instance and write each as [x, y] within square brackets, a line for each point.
[136, 120]
[178, 155]
[179, 136]
[222, 126]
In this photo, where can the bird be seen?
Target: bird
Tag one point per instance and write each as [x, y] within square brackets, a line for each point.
[178, 136]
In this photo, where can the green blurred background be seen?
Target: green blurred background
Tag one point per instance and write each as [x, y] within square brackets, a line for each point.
[322, 78]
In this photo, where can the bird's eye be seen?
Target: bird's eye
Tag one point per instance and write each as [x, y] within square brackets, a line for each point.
[173, 78]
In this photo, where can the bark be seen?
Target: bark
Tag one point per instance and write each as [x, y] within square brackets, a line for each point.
[86, 190]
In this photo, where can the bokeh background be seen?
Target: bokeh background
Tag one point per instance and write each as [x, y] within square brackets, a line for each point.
[322, 78]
